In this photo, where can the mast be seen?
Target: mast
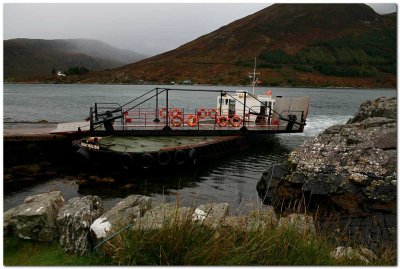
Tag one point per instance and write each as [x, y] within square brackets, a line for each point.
[252, 76]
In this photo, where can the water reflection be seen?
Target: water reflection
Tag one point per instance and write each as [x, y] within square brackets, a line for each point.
[230, 179]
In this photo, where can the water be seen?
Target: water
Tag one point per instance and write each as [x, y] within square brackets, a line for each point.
[232, 179]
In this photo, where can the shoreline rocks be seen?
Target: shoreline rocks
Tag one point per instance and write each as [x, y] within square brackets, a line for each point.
[349, 170]
[80, 214]
[80, 224]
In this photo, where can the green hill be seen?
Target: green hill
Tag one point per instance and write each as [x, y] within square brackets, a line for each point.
[25, 58]
[317, 45]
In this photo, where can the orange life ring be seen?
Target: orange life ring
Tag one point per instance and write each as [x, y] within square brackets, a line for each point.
[213, 113]
[269, 93]
[222, 121]
[192, 120]
[176, 120]
[175, 111]
[202, 113]
[163, 113]
[236, 121]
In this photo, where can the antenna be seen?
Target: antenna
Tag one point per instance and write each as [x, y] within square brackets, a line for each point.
[252, 76]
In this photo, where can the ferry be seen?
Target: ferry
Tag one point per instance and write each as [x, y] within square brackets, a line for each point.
[147, 132]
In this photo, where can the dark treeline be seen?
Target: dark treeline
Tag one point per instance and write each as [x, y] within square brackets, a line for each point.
[354, 56]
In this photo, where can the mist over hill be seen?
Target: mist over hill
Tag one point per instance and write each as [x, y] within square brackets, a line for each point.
[315, 45]
[24, 58]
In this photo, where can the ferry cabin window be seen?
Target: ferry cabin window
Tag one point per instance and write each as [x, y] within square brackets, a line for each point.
[226, 101]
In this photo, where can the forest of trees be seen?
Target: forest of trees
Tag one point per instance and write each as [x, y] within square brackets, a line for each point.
[353, 56]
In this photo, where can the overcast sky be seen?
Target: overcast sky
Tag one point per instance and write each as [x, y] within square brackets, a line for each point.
[144, 28]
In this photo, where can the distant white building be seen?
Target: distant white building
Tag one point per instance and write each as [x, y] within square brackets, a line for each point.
[60, 74]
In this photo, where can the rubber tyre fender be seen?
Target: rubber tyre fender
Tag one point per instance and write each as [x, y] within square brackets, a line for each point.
[82, 157]
[126, 161]
[180, 157]
[163, 158]
[192, 154]
[75, 145]
[146, 160]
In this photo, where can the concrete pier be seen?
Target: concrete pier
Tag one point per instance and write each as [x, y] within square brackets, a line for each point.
[13, 131]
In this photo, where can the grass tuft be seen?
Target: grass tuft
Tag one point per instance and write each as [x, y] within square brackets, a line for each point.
[184, 242]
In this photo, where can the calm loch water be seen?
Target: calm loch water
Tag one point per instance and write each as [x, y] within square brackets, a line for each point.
[231, 179]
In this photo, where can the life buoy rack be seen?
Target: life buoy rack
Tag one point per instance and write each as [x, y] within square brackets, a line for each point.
[236, 121]
[176, 120]
[222, 121]
[213, 113]
[163, 113]
[192, 120]
[202, 113]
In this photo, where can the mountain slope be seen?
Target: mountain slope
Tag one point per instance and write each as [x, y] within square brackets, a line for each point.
[342, 45]
[34, 57]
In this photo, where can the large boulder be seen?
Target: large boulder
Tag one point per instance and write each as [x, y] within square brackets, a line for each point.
[347, 174]
[123, 214]
[348, 168]
[74, 220]
[162, 215]
[211, 214]
[35, 219]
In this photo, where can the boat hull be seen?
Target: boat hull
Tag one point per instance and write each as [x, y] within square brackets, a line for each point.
[177, 156]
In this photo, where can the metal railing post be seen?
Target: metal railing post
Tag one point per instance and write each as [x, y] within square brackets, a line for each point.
[156, 119]
[91, 119]
[95, 112]
[167, 112]
[220, 105]
[244, 109]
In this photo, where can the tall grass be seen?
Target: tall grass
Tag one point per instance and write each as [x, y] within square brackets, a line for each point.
[189, 243]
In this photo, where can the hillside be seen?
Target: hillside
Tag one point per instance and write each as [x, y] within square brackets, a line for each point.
[340, 45]
[24, 58]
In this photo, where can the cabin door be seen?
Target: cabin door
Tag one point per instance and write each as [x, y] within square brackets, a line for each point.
[231, 108]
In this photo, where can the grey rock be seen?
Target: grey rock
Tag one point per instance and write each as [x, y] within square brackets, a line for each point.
[256, 220]
[124, 213]
[363, 254]
[381, 107]
[304, 224]
[35, 219]
[352, 166]
[266, 187]
[162, 215]
[74, 220]
[211, 214]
